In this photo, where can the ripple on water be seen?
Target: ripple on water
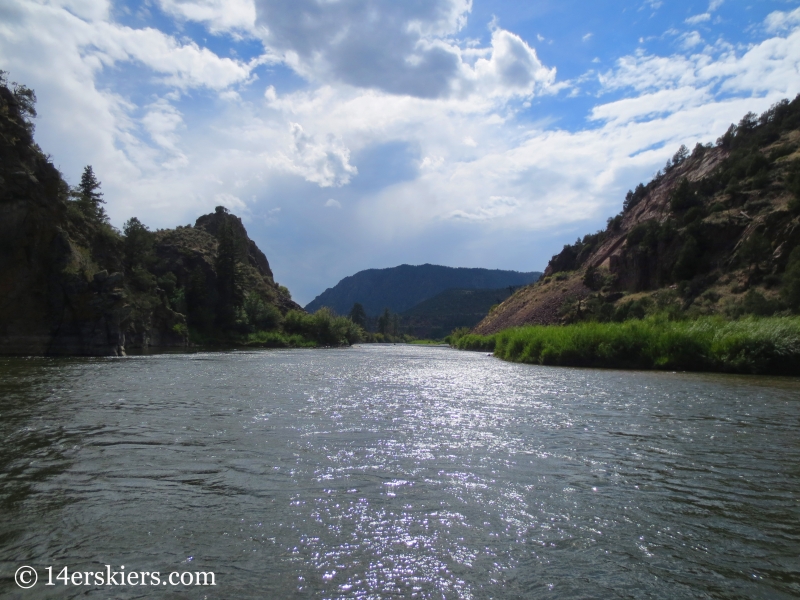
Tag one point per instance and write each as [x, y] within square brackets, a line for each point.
[403, 471]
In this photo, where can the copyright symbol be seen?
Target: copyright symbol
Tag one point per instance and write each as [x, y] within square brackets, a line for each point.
[26, 577]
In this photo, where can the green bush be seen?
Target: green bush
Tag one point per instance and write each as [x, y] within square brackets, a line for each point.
[261, 315]
[324, 327]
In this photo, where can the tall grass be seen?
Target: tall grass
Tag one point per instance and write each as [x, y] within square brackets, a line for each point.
[753, 345]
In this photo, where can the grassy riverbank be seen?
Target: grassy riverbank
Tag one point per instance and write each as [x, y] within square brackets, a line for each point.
[754, 345]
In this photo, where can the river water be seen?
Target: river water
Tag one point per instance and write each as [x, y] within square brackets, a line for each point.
[397, 472]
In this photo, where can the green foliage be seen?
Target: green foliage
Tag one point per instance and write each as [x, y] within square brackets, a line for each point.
[261, 315]
[89, 198]
[142, 280]
[754, 303]
[683, 196]
[614, 223]
[750, 345]
[277, 339]
[635, 309]
[686, 264]
[229, 279]
[138, 243]
[791, 281]
[358, 315]
[633, 197]
[792, 183]
[25, 99]
[200, 301]
[754, 249]
[324, 327]
[388, 323]
[592, 279]
[168, 282]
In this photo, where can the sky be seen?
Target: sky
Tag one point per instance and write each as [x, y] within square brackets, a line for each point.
[356, 134]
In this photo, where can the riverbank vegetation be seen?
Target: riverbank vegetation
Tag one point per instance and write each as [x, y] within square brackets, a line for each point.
[769, 345]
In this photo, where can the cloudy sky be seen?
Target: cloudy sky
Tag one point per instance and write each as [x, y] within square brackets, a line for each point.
[351, 134]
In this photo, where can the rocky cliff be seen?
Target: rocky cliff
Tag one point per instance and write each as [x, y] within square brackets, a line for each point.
[713, 233]
[70, 284]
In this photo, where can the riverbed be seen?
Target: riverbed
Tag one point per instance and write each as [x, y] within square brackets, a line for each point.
[397, 472]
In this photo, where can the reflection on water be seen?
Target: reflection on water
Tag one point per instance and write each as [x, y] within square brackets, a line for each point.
[398, 471]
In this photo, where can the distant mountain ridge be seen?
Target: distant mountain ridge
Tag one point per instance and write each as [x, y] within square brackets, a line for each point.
[402, 287]
[436, 317]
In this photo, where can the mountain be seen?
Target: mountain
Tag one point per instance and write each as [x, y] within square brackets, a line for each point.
[436, 317]
[716, 233]
[70, 284]
[400, 288]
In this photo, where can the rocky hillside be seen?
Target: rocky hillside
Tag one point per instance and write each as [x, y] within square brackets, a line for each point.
[713, 233]
[400, 288]
[70, 284]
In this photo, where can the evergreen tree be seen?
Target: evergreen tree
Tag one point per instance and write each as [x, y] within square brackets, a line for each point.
[358, 315]
[90, 199]
[138, 243]
[229, 288]
[384, 322]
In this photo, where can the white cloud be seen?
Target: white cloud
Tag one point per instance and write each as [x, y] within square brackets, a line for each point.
[399, 48]
[780, 21]
[513, 68]
[331, 203]
[325, 163]
[219, 15]
[701, 18]
[495, 207]
[714, 5]
[162, 122]
[587, 37]
[691, 39]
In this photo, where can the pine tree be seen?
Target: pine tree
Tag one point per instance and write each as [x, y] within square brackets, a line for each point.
[229, 288]
[358, 315]
[89, 198]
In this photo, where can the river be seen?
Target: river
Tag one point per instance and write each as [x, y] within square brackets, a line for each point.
[396, 472]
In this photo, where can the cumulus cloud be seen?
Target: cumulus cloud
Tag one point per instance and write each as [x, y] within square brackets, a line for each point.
[513, 68]
[331, 203]
[326, 163]
[396, 47]
[403, 48]
[219, 15]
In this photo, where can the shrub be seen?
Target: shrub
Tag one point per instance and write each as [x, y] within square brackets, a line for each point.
[260, 315]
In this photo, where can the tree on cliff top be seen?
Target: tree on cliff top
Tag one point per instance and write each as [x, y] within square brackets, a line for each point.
[89, 198]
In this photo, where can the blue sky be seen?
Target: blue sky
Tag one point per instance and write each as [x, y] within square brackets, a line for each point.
[351, 134]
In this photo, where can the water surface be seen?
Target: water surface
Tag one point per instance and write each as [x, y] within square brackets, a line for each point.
[398, 471]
